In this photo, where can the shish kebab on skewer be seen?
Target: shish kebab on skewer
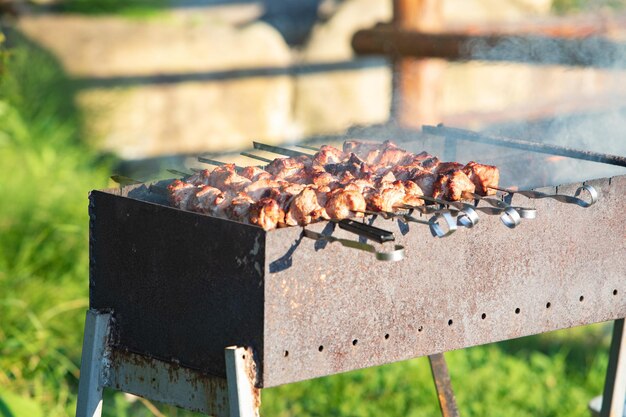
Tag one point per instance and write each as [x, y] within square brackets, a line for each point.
[332, 184]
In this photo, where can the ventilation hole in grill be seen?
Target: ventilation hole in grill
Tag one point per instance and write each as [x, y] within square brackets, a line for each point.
[354, 342]
[581, 298]
[548, 305]
[614, 292]
[483, 316]
[419, 329]
[517, 310]
[386, 336]
[243, 356]
[286, 353]
[450, 322]
[321, 348]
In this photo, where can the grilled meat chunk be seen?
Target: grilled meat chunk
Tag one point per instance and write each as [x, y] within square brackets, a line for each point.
[239, 208]
[180, 193]
[282, 168]
[483, 176]
[444, 167]
[452, 185]
[199, 178]
[303, 208]
[255, 173]
[412, 194]
[206, 199]
[261, 188]
[225, 177]
[343, 204]
[388, 198]
[328, 155]
[266, 213]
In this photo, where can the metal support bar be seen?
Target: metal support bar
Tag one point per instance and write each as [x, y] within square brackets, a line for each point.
[91, 381]
[244, 398]
[451, 133]
[615, 384]
[447, 402]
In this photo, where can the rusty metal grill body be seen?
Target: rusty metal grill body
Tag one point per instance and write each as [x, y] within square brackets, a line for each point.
[182, 286]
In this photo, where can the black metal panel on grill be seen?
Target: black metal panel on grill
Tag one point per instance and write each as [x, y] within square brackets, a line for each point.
[182, 286]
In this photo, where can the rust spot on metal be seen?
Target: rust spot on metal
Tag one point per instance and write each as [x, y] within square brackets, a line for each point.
[250, 362]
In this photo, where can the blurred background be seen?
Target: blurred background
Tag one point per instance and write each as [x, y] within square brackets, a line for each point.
[89, 88]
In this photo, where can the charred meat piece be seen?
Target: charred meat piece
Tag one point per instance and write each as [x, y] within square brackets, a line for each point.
[266, 213]
[426, 182]
[361, 147]
[452, 185]
[255, 173]
[412, 194]
[353, 165]
[328, 155]
[225, 177]
[391, 155]
[261, 188]
[343, 204]
[388, 198]
[445, 167]
[422, 160]
[206, 200]
[199, 178]
[285, 167]
[303, 208]
[180, 193]
[239, 208]
[484, 177]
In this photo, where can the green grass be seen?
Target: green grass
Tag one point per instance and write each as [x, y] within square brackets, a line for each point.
[577, 6]
[128, 8]
[46, 172]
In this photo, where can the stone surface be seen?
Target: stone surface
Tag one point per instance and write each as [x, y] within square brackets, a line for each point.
[205, 108]
[331, 102]
[188, 114]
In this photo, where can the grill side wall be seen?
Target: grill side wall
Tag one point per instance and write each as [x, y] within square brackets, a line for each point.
[181, 286]
[363, 313]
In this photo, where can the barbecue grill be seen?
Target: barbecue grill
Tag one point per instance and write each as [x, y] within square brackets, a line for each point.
[170, 290]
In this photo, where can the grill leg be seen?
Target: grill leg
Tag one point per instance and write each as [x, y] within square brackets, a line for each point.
[615, 384]
[243, 397]
[91, 365]
[447, 402]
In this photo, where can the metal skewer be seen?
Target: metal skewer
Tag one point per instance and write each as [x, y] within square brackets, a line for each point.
[313, 148]
[593, 195]
[257, 157]
[122, 180]
[508, 215]
[524, 212]
[179, 173]
[436, 228]
[211, 161]
[279, 150]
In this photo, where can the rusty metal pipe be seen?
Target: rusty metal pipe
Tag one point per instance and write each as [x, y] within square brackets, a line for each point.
[591, 51]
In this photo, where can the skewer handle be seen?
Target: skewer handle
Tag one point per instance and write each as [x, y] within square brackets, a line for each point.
[396, 255]
[365, 230]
